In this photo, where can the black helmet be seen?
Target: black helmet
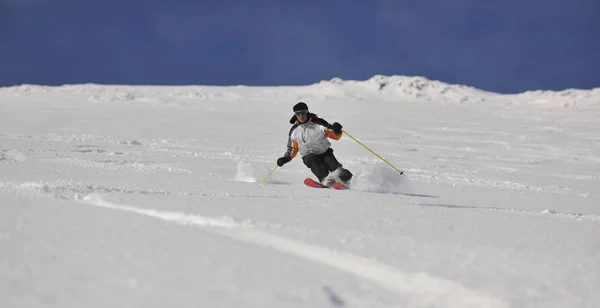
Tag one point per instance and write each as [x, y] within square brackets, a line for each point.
[300, 106]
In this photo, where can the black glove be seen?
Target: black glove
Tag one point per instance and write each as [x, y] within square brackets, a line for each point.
[283, 160]
[336, 128]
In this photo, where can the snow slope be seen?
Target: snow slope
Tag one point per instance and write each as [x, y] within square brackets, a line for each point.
[148, 196]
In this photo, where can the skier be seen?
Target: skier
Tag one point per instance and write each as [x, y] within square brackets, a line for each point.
[308, 136]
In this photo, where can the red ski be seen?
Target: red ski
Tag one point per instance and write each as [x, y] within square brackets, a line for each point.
[340, 186]
[312, 183]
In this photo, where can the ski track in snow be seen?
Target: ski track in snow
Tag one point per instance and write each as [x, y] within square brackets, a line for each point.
[422, 289]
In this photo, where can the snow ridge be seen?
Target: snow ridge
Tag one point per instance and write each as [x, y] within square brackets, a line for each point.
[382, 87]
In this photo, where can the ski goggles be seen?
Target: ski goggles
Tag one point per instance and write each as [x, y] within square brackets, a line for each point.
[301, 112]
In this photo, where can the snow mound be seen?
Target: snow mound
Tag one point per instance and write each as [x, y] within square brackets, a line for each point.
[414, 87]
[565, 98]
[379, 178]
[25, 89]
[115, 96]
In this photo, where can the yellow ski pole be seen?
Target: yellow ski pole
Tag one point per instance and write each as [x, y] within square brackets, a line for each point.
[345, 132]
[268, 175]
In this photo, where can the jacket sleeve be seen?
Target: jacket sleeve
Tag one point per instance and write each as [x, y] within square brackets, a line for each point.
[292, 148]
[329, 133]
[319, 121]
[292, 145]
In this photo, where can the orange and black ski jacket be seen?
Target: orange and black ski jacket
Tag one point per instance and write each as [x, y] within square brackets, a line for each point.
[309, 137]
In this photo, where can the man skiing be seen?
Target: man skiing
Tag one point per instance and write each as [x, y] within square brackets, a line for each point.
[308, 136]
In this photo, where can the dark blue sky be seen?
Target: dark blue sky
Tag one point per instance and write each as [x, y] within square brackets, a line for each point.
[505, 46]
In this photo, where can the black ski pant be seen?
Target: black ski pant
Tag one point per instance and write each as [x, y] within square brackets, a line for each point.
[321, 164]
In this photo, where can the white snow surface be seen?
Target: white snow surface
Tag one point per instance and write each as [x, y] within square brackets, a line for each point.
[150, 196]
